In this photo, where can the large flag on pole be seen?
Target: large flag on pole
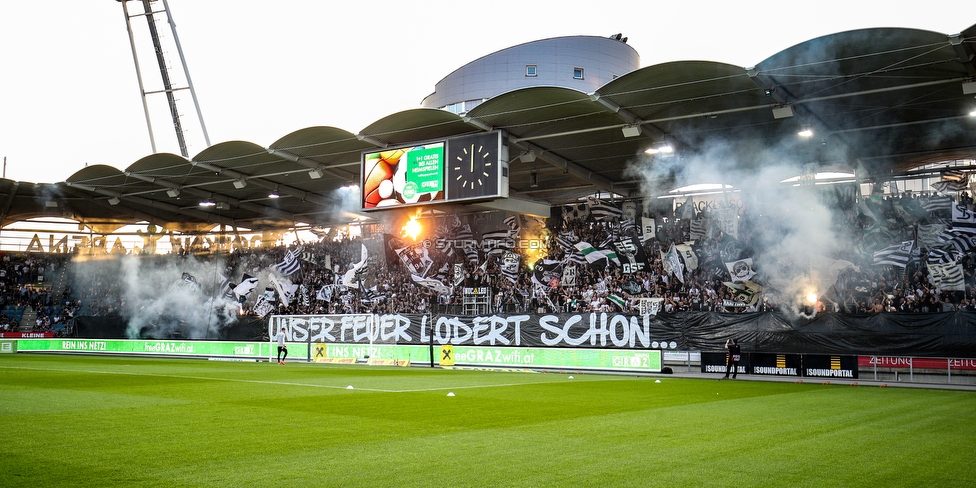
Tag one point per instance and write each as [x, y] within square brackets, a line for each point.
[594, 255]
[618, 301]
[246, 286]
[285, 288]
[350, 280]
[963, 219]
[436, 285]
[948, 277]
[741, 270]
[672, 263]
[290, 264]
[603, 210]
[898, 255]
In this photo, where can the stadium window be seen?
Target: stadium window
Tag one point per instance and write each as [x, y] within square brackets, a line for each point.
[577, 73]
[530, 70]
[455, 108]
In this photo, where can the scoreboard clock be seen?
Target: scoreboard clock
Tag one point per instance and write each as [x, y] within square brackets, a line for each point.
[476, 166]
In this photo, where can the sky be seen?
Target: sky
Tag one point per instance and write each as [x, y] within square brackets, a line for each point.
[69, 92]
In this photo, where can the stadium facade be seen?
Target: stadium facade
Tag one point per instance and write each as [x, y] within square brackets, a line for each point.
[583, 63]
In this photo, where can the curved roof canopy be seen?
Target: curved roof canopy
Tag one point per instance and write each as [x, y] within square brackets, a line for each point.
[884, 100]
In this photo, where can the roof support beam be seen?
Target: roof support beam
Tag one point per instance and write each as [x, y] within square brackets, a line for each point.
[271, 185]
[964, 53]
[477, 123]
[8, 203]
[376, 142]
[312, 165]
[626, 115]
[599, 181]
[204, 216]
[807, 100]
[261, 209]
[569, 167]
[768, 85]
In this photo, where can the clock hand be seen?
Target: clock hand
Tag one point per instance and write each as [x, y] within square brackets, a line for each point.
[472, 158]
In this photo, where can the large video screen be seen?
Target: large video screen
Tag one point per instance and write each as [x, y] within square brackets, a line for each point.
[404, 176]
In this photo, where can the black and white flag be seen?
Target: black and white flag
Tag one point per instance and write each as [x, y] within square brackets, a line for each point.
[547, 273]
[631, 255]
[898, 255]
[948, 277]
[509, 265]
[741, 270]
[603, 210]
[963, 219]
[699, 227]
[353, 276]
[290, 264]
[934, 204]
[962, 241]
[285, 288]
[245, 287]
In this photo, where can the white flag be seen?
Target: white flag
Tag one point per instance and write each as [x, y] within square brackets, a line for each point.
[349, 279]
[741, 270]
[285, 288]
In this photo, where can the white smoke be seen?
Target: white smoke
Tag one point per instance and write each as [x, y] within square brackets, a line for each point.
[785, 224]
[152, 294]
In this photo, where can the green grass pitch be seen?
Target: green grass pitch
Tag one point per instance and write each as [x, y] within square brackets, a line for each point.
[118, 421]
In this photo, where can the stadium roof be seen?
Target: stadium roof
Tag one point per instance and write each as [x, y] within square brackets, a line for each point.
[885, 100]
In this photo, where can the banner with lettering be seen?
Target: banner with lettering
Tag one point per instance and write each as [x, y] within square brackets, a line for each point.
[944, 334]
[631, 254]
[599, 330]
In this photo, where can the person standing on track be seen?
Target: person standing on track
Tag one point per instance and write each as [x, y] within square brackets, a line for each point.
[282, 348]
[735, 354]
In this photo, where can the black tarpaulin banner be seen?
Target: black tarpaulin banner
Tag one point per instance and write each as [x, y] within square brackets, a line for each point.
[947, 334]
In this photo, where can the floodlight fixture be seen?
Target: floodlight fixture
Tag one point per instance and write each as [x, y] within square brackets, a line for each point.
[632, 130]
[528, 156]
[806, 131]
[173, 192]
[241, 183]
[663, 148]
[223, 206]
[534, 179]
[969, 88]
[274, 193]
[114, 201]
[784, 112]
[315, 173]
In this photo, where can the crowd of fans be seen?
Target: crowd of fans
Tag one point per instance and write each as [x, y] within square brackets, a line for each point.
[25, 284]
[386, 285]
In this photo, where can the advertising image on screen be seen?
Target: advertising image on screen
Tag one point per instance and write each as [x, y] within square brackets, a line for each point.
[404, 176]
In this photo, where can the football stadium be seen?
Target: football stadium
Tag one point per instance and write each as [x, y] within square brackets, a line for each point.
[562, 268]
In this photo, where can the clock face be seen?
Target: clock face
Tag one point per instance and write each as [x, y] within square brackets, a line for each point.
[472, 165]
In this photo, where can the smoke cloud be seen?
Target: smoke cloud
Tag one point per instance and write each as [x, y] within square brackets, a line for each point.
[783, 224]
[160, 296]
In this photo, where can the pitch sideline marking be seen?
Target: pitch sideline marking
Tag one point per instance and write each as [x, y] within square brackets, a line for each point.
[289, 383]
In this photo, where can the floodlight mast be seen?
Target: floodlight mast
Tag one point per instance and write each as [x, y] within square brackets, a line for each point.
[168, 88]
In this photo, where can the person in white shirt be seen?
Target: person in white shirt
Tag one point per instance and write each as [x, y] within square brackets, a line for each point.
[282, 348]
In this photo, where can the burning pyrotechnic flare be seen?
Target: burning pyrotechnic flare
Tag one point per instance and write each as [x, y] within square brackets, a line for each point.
[412, 228]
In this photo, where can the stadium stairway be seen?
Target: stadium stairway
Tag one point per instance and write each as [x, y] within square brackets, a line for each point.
[58, 284]
[27, 320]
